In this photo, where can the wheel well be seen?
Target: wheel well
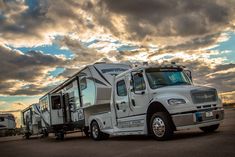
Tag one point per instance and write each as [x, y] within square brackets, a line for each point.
[157, 107]
[93, 120]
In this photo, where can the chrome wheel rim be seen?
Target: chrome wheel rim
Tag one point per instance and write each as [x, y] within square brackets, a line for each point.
[158, 126]
[95, 131]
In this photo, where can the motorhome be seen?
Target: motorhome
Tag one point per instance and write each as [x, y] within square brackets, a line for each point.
[156, 100]
[31, 121]
[7, 124]
[68, 107]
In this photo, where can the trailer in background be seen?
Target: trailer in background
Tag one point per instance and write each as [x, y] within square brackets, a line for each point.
[31, 120]
[67, 107]
[7, 125]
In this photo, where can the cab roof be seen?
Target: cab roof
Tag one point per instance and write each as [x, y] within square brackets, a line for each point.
[142, 67]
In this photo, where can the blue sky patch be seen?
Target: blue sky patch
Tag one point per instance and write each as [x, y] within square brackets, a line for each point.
[49, 49]
[228, 45]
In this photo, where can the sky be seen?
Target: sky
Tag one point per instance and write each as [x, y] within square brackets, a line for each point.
[43, 42]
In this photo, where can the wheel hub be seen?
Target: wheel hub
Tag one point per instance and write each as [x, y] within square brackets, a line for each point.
[95, 131]
[158, 126]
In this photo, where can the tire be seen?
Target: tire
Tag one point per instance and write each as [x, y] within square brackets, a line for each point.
[161, 126]
[45, 133]
[96, 134]
[60, 135]
[27, 136]
[86, 131]
[208, 129]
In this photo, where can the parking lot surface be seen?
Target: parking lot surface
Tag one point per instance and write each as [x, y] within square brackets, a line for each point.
[193, 143]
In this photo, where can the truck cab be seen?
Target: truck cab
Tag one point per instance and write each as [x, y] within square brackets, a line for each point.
[157, 100]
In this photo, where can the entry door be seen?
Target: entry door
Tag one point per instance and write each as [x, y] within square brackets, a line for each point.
[66, 108]
[122, 100]
[138, 96]
[56, 109]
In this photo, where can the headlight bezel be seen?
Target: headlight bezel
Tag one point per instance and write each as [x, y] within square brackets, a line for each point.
[176, 101]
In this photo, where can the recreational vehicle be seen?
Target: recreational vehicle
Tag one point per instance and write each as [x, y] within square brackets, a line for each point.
[7, 124]
[153, 100]
[68, 107]
[31, 120]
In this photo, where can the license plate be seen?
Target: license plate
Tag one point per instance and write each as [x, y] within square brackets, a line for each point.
[209, 114]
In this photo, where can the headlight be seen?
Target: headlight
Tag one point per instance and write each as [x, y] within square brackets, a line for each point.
[176, 101]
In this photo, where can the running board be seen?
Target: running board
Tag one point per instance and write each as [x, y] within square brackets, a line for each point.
[122, 133]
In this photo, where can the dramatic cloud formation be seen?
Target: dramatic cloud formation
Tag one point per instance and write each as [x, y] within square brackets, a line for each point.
[184, 31]
[25, 74]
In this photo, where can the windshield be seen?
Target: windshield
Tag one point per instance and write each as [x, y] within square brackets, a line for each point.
[166, 77]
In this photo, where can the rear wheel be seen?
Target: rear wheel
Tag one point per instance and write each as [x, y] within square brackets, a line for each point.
[45, 133]
[96, 134]
[161, 126]
[211, 128]
[27, 135]
[60, 135]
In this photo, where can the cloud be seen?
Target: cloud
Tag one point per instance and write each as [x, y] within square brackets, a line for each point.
[25, 74]
[152, 21]
[82, 54]
[36, 23]
[147, 19]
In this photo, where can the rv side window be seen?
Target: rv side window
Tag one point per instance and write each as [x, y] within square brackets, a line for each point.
[44, 105]
[139, 83]
[88, 91]
[1, 119]
[121, 88]
[56, 102]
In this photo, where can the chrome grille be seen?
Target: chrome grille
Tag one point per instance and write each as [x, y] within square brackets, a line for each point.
[201, 96]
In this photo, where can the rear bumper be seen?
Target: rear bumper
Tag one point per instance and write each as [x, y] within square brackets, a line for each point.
[198, 119]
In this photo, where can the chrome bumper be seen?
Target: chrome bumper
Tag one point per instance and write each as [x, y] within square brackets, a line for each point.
[198, 119]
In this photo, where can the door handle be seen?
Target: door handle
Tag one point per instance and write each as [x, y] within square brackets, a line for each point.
[117, 106]
[133, 102]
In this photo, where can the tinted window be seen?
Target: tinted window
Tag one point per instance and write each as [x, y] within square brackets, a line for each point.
[121, 88]
[55, 102]
[1, 119]
[88, 91]
[139, 83]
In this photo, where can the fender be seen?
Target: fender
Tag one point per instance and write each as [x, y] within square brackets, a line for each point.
[97, 119]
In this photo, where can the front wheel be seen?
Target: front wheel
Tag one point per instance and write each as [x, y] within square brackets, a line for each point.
[161, 126]
[209, 129]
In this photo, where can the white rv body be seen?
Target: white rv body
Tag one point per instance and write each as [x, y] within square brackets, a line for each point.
[69, 105]
[31, 120]
[132, 113]
[7, 124]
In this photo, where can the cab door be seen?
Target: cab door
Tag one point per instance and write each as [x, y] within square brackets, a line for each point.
[139, 97]
[56, 113]
[122, 100]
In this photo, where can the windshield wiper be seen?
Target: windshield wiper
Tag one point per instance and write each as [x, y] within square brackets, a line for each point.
[180, 82]
[160, 85]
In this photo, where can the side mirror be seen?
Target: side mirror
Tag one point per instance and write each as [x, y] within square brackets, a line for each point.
[189, 74]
